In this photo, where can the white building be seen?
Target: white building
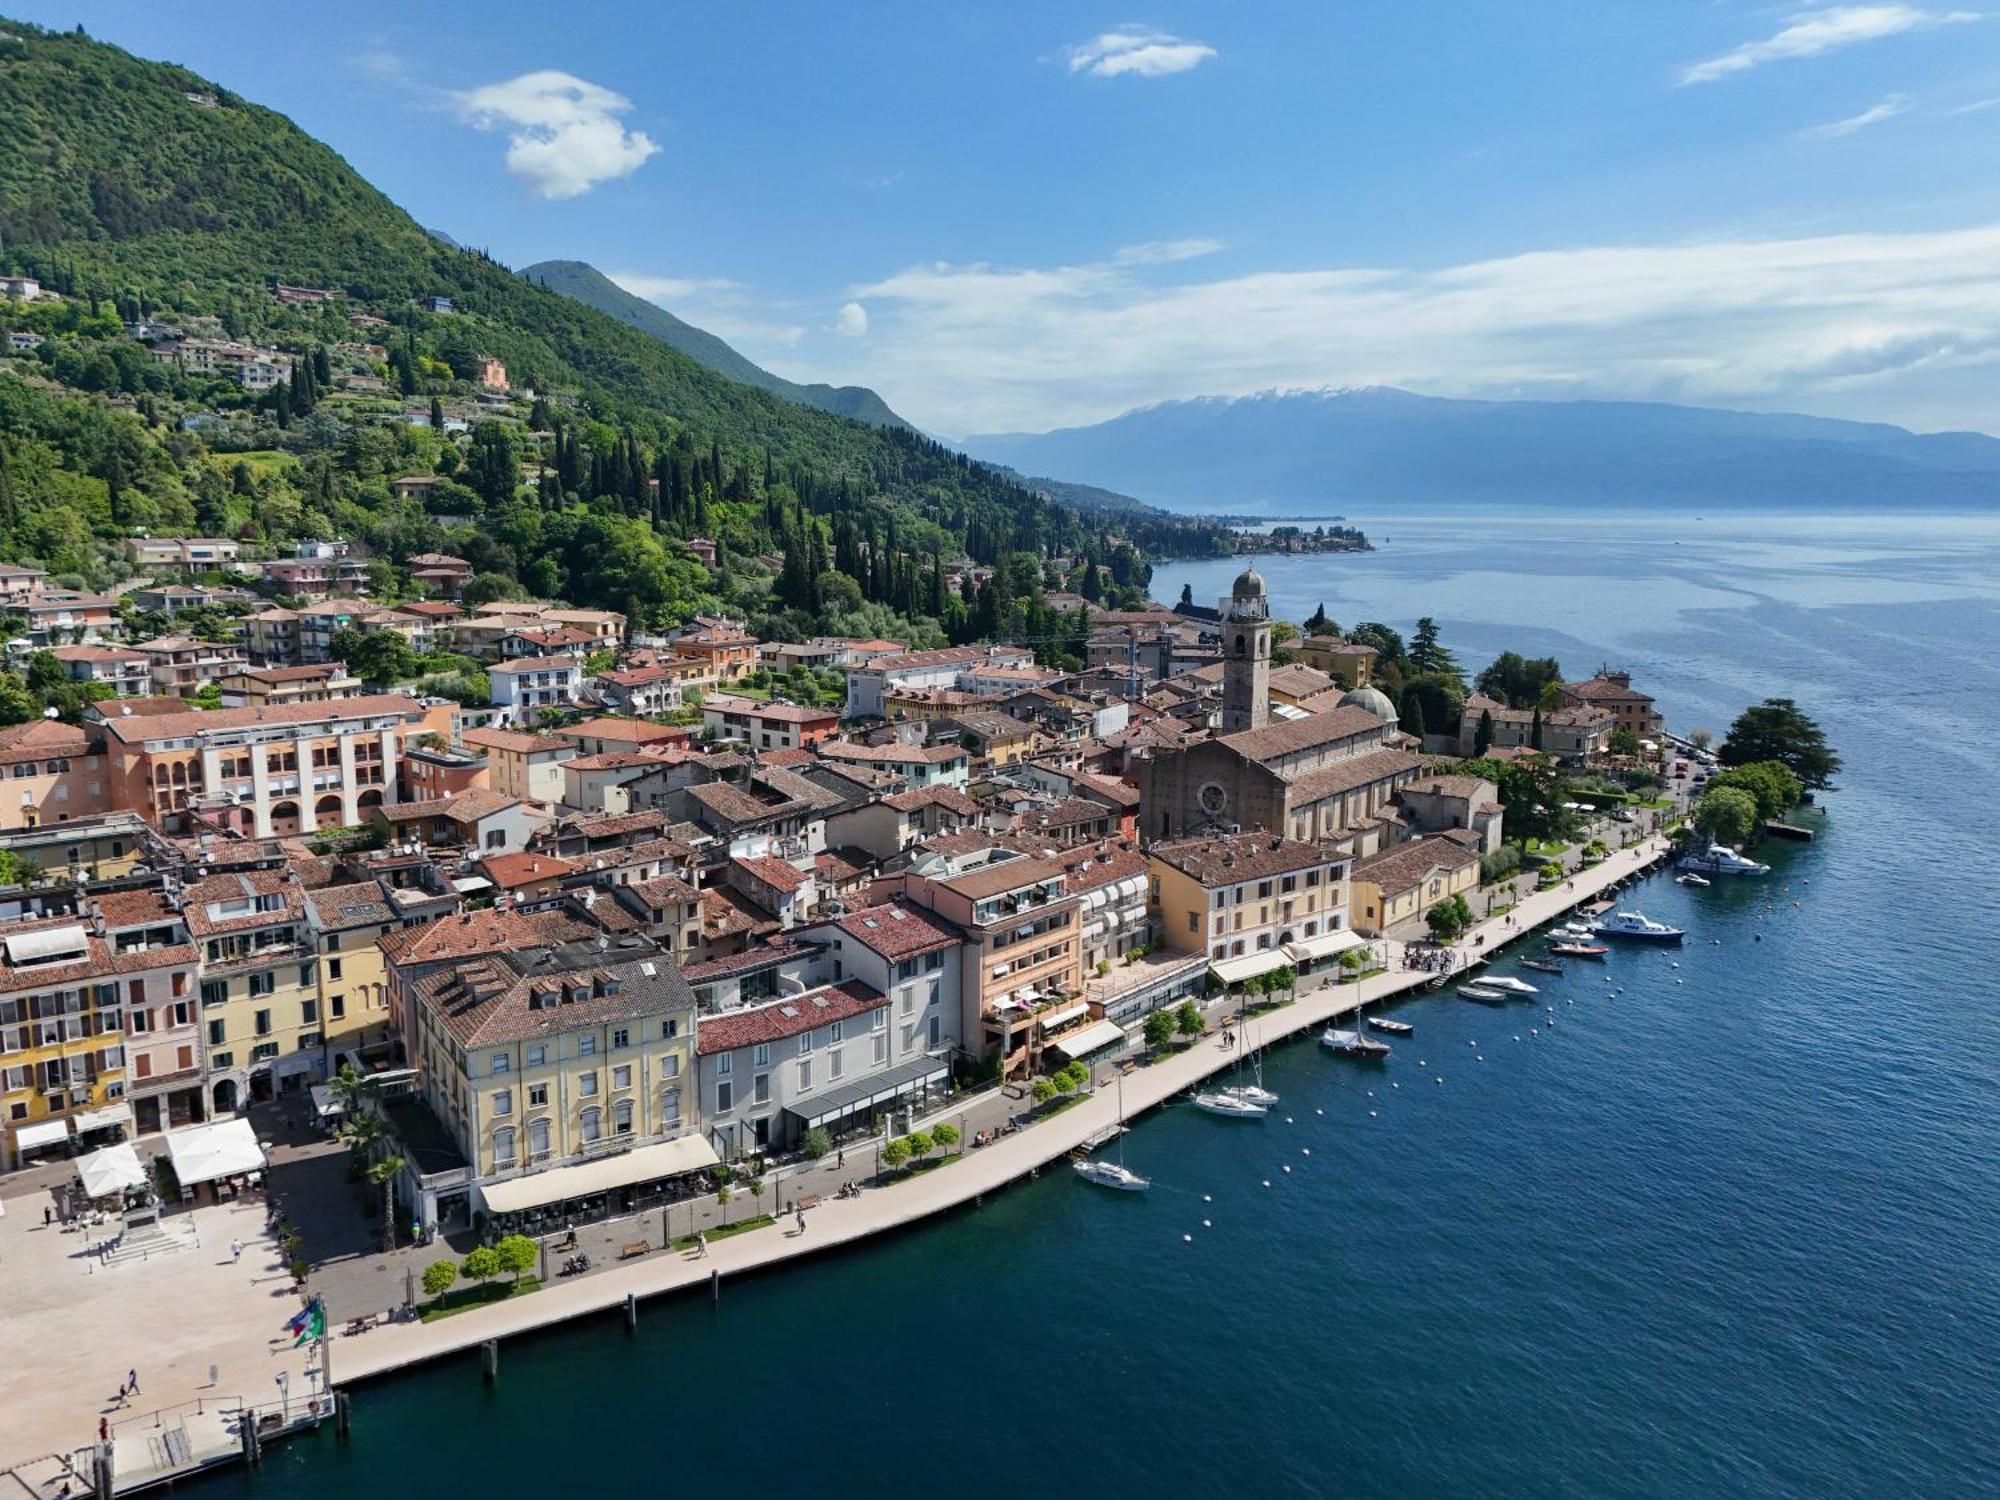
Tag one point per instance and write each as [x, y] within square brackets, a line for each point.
[523, 687]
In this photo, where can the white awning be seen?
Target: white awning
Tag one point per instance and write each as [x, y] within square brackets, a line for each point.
[1061, 1016]
[1249, 966]
[118, 1113]
[41, 1133]
[1092, 1038]
[1326, 945]
[203, 1153]
[325, 1103]
[111, 1171]
[559, 1184]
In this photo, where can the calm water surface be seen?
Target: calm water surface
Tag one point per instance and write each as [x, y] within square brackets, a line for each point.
[1728, 1231]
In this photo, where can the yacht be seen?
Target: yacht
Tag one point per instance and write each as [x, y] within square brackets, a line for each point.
[1111, 1174]
[1343, 1043]
[1720, 859]
[1485, 994]
[1688, 877]
[1230, 1107]
[1508, 983]
[1636, 924]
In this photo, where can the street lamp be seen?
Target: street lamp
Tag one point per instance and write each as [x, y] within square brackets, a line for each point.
[284, 1396]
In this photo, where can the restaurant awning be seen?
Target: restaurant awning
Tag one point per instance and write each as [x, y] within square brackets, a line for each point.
[326, 1104]
[1061, 1016]
[203, 1153]
[41, 1133]
[864, 1093]
[1092, 1038]
[1249, 965]
[114, 1114]
[560, 1184]
[1306, 950]
[111, 1171]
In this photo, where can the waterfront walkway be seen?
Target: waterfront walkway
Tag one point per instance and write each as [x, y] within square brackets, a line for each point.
[836, 1222]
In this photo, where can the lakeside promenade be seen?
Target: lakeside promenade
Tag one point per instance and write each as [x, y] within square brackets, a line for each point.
[838, 1222]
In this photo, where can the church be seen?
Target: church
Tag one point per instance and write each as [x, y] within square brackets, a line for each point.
[1325, 776]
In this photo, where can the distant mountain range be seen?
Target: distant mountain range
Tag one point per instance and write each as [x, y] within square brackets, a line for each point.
[1281, 452]
[593, 288]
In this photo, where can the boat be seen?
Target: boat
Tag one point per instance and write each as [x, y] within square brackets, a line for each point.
[1573, 931]
[1688, 877]
[1636, 924]
[1485, 994]
[1720, 859]
[1230, 1107]
[1392, 1028]
[1579, 950]
[1113, 1174]
[1542, 965]
[1253, 1093]
[1344, 1043]
[1508, 983]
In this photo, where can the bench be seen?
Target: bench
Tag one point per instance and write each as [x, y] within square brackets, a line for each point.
[634, 1250]
[808, 1200]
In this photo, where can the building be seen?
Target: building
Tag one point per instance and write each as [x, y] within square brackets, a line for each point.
[164, 1052]
[563, 1076]
[171, 598]
[869, 681]
[919, 765]
[53, 772]
[50, 614]
[20, 288]
[1403, 883]
[126, 670]
[1353, 666]
[435, 772]
[1572, 735]
[348, 923]
[439, 574]
[1021, 969]
[527, 766]
[768, 726]
[1109, 879]
[1613, 693]
[654, 689]
[272, 635]
[1254, 903]
[102, 846]
[317, 573]
[481, 821]
[20, 583]
[264, 772]
[264, 687]
[181, 665]
[522, 688]
[725, 652]
[414, 953]
[492, 374]
[605, 736]
[1441, 804]
[184, 555]
[260, 997]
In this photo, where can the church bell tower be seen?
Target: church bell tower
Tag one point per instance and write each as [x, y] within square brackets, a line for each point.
[1246, 654]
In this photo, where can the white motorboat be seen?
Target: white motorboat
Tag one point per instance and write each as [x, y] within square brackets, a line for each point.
[1508, 983]
[1636, 924]
[1355, 1043]
[1688, 877]
[1578, 931]
[1253, 1093]
[1485, 994]
[1111, 1174]
[1720, 859]
[1230, 1107]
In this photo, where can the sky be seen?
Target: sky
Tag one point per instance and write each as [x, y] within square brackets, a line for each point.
[1025, 215]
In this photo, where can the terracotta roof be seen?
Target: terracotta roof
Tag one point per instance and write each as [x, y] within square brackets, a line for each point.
[1226, 858]
[98, 653]
[611, 760]
[1068, 813]
[509, 871]
[490, 1002]
[478, 802]
[238, 886]
[778, 874]
[328, 670]
[727, 913]
[792, 757]
[362, 904]
[1338, 647]
[1472, 789]
[472, 933]
[1298, 680]
[522, 664]
[951, 799]
[1002, 875]
[1356, 771]
[125, 909]
[663, 891]
[1089, 866]
[134, 726]
[1120, 794]
[777, 713]
[1401, 866]
[893, 755]
[764, 955]
[897, 930]
[1606, 690]
[98, 959]
[1308, 733]
[40, 739]
[614, 825]
[636, 731]
[512, 741]
[788, 1017]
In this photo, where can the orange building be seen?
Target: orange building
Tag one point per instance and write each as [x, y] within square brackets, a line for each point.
[727, 652]
[52, 773]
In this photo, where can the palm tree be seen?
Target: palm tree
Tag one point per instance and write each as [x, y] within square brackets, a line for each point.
[383, 1175]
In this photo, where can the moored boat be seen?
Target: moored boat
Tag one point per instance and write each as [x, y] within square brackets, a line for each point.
[1720, 859]
[1230, 1107]
[1636, 924]
[1508, 983]
[1542, 965]
[1392, 1028]
[1688, 877]
[1111, 1174]
[1485, 994]
[1571, 949]
[1345, 1043]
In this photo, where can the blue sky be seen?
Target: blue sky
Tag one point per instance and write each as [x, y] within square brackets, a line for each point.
[1027, 215]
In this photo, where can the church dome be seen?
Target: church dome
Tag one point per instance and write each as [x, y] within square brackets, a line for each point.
[1373, 699]
[1249, 585]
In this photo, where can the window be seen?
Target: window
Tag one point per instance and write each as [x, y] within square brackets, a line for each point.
[725, 1099]
[621, 1076]
[215, 1032]
[336, 1006]
[262, 984]
[760, 1089]
[621, 1117]
[214, 991]
[308, 1011]
[503, 1101]
[937, 1030]
[586, 1045]
[333, 968]
[263, 1027]
[805, 1074]
[724, 1061]
[496, 838]
[620, 1038]
[881, 1048]
[760, 1056]
[538, 1056]
[590, 1124]
[538, 1096]
[833, 1033]
[503, 1146]
[538, 1139]
[139, 1022]
[670, 1065]
[805, 1044]
[222, 1059]
[833, 1065]
[670, 1109]
[879, 1021]
[305, 974]
[500, 1063]
[586, 1083]
[1194, 921]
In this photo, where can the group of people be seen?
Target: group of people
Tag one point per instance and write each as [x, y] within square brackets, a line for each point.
[1432, 960]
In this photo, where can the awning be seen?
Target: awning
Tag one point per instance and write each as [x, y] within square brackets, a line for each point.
[203, 1153]
[1092, 1038]
[41, 1133]
[1061, 1016]
[325, 1103]
[1249, 966]
[560, 1184]
[111, 1171]
[885, 1087]
[1326, 945]
[111, 1115]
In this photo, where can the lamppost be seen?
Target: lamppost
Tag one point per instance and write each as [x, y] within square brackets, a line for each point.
[284, 1396]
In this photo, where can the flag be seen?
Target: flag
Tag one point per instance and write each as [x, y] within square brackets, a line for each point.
[308, 1323]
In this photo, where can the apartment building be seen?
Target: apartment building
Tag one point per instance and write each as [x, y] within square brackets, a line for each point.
[185, 555]
[260, 687]
[522, 688]
[51, 772]
[181, 666]
[527, 766]
[1253, 902]
[768, 726]
[164, 1065]
[126, 670]
[348, 923]
[260, 996]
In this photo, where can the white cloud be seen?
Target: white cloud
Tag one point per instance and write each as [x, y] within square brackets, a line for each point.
[1810, 33]
[715, 304]
[1976, 106]
[1137, 51]
[1165, 252]
[563, 133]
[852, 320]
[665, 289]
[1875, 114]
[1856, 322]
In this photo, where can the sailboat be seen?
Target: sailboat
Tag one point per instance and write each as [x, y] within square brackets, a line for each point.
[1113, 1174]
[1230, 1107]
[1355, 1043]
[1251, 1093]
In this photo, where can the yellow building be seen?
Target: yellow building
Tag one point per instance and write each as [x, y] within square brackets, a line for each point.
[100, 848]
[348, 923]
[1405, 881]
[260, 996]
[565, 1076]
[1254, 903]
[1352, 665]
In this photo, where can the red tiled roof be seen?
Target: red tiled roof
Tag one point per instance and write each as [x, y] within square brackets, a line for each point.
[896, 930]
[788, 1017]
[780, 875]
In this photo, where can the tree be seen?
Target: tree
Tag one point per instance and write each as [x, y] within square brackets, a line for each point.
[1042, 1090]
[1427, 652]
[1771, 783]
[1535, 730]
[1387, 643]
[439, 1277]
[1482, 737]
[1701, 739]
[481, 1265]
[816, 1142]
[1449, 918]
[919, 1142]
[1064, 1080]
[1517, 681]
[756, 1187]
[895, 1153]
[945, 1135]
[1624, 740]
[1159, 1029]
[1317, 622]
[1187, 1019]
[518, 1254]
[491, 465]
[1412, 715]
[1726, 815]
[1777, 729]
[382, 1174]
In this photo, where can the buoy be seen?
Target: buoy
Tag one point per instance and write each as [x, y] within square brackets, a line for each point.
[1187, 1239]
[1288, 1169]
[1206, 1198]
[1371, 1114]
[1319, 1111]
[1207, 1224]
[1440, 1078]
[1288, 1119]
[1393, 1086]
[1305, 1151]
[1267, 1182]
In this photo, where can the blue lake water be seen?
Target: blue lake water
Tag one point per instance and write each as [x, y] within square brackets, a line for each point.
[1729, 1231]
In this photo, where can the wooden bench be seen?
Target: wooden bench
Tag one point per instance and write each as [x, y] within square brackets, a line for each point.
[634, 1250]
[809, 1200]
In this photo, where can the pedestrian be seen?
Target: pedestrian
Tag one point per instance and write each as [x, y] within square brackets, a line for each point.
[235, 1251]
[132, 1381]
[701, 1243]
[104, 1429]
[840, 1158]
[800, 1215]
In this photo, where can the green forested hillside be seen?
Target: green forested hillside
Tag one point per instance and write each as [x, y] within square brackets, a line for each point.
[138, 191]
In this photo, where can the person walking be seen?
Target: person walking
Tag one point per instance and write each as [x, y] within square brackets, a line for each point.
[799, 1214]
[235, 1251]
[132, 1381]
[104, 1429]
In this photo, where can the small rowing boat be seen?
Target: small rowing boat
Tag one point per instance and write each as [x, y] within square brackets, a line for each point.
[1542, 965]
[1579, 950]
[1389, 1027]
